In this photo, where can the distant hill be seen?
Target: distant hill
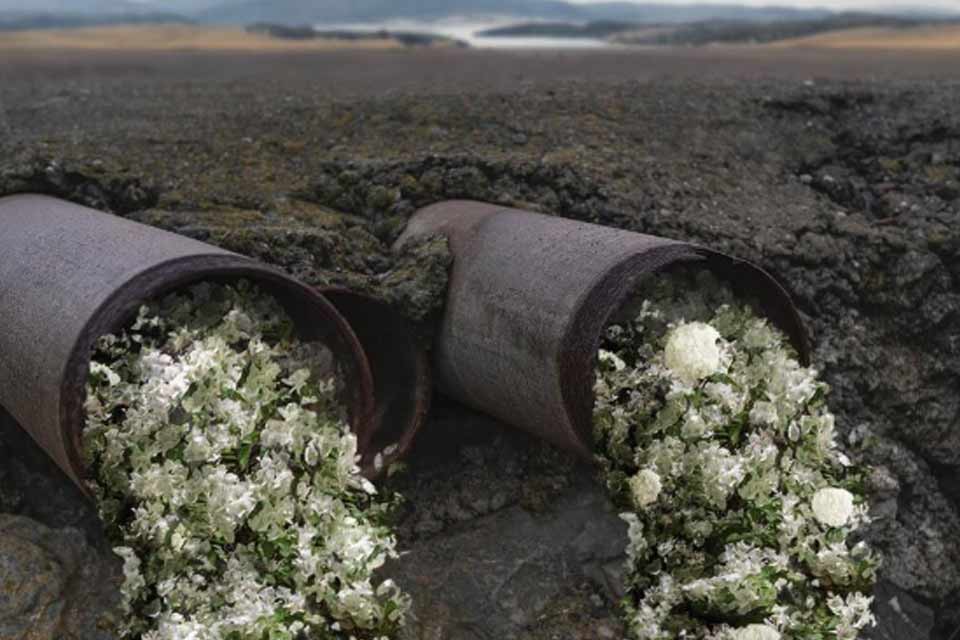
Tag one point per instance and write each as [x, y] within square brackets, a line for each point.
[73, 7]
[598, 29]
[943, 36]
[730, 32]
[320, 11]
[670, 13]
[711, 31]
[31, 22]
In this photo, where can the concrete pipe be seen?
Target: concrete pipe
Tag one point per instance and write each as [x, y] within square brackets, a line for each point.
[529, 298]
[402, 383]
[69, 274]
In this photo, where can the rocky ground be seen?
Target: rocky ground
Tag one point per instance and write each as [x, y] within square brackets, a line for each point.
[848, 190]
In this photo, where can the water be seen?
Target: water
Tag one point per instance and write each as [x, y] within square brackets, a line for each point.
[466, 30]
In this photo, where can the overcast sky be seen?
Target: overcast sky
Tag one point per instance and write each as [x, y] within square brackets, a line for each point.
[947, 5]
[866, 5]
[830, 4]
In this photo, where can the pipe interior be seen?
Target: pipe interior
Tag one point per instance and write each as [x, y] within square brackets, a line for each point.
[302, 305]
[715, 285]
[747, 284]
[400, 369]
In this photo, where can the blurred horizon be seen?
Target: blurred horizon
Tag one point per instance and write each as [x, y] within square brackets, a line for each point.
[567, 24]
[568, 10]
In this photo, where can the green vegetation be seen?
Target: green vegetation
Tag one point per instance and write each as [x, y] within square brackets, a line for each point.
[718, 444]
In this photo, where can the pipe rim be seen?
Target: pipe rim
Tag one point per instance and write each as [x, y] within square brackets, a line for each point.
[402, 375]
[583, 334]
[313, 316]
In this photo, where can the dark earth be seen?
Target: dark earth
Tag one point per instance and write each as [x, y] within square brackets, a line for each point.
[838, 172]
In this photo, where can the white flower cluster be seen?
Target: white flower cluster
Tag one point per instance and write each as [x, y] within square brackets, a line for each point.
[721, 446]
[228, 479]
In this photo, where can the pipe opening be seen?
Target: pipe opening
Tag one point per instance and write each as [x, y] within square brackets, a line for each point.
[69, 274]
[315, 321]
[710, 278]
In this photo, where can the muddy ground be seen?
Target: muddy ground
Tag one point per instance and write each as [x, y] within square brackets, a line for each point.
[839, 173]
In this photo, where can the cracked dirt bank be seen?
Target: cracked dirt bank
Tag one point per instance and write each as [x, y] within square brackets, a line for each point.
[848, 190]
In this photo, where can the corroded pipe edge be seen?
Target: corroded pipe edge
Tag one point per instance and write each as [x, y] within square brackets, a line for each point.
[577, 359]
[298, 300]
[463, 221]
[402, 379]
[301, 302]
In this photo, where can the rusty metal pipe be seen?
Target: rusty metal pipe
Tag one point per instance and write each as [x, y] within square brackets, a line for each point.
[402, 383]
[529, 298]
[69, 274]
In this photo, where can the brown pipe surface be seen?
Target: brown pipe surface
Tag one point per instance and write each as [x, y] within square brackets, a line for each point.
[69, 274]
[529, 297]
[402, 383]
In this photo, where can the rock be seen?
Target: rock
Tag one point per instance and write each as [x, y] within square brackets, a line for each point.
[40, 489]
[32, 583]
[948, 619]
[506, 536]
[949, 191]
[58, 578]
[912, 523]
[502, 573]
[325, 248]
[91, 183]
[899, 616]
[53, 586]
